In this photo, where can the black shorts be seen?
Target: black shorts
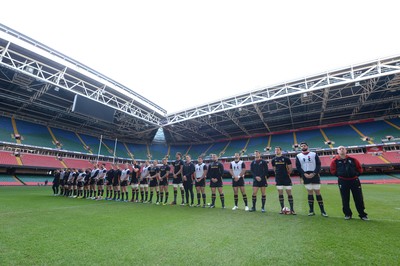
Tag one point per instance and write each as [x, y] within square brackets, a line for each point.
[177, 180]
[74, 183]
[202, 183]
[108, 182]
[124, 183]
[61, 182]
[144, 182]
[86, 182]
[239, 183]
[164, 182]
[115, 183]
[80, 184]
[134, 181]
[153, 183]
[262, 183]
[216, 184]
[283, 181]
[92, 181]
[314, 180]
[100, 182]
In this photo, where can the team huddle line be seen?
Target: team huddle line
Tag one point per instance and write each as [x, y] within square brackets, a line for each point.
[145, 179]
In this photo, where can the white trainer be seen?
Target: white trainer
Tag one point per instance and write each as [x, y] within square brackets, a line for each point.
[246, 208]
[235, 208]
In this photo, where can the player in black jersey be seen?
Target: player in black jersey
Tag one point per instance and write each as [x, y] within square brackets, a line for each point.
[259, 169]
[214, 173]
[135, 181]
[187, 176]
[200, 180]
[66, 185]
[177, 174]
[56, 182]
[86, 183]
[164, 174]
[109, 183]
[116, 183]
[283, 168]
[154, 171]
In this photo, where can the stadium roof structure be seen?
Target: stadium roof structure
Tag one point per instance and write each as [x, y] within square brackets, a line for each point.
[39, 84]
[354, 93]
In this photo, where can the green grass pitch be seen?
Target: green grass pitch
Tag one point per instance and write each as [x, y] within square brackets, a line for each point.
[39, 229]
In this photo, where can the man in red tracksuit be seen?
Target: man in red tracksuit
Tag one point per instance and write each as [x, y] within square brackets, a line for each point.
[347, 169]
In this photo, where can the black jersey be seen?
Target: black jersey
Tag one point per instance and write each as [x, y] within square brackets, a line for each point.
[215, 170]
[56, 179]
[110, 176]
[280, 163]
[153, 171]
[135, 175]
[177, 166]
[188, 171]
[164, 170]
[117, 175]
[259, 168]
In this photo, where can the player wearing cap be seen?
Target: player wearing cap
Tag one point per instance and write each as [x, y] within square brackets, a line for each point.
[237, 171]
[308, 165]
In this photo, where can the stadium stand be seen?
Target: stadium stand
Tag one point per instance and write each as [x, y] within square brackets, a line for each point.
[285, 141]
[392, 156]
[218, 148]
[158, 151]
[177, 148]
[343, 135]
[257, 143]
[31, 180]
[139, 151]
[6, 129]
[40, 161]
[8, 180]
[369, 159]
[93, 143]
[235, 146]
[7, 158]
[313, 138]
[377, 130]
[69, 140]
[77, 163]
[34, 134]
[199, 149]
[120, 150]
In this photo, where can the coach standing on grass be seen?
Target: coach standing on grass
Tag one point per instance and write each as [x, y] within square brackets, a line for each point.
[348, 169]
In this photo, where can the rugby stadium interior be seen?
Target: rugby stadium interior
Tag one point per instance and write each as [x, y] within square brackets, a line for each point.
[46, 98]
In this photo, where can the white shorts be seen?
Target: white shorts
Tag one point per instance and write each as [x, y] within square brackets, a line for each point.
[313, 186]
[134, 185]
[284, 187]
[144, 185]
[177, 185]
